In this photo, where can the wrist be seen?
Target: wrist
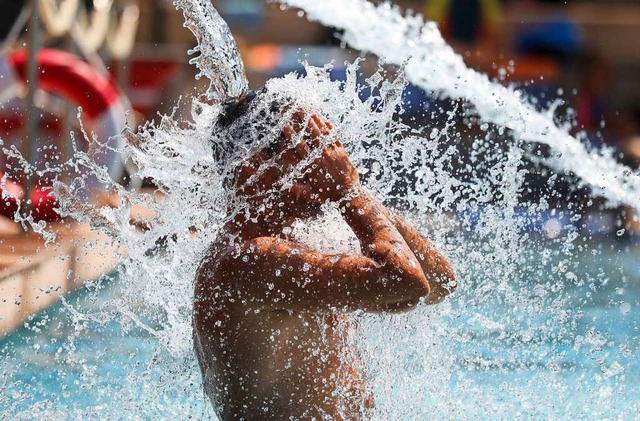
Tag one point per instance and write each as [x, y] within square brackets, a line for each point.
[365, 215]
[355, 201]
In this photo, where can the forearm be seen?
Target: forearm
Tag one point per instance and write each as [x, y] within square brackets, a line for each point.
[381, 242]
[371, 224]
[435, 265]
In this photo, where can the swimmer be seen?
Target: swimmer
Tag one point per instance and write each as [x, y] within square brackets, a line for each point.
[271, 317]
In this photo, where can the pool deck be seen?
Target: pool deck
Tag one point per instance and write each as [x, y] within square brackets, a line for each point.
[34, 276]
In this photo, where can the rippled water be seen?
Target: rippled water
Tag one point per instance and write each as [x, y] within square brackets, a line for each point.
[100, 369]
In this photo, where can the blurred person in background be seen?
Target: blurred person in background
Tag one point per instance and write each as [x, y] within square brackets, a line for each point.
[472, 27]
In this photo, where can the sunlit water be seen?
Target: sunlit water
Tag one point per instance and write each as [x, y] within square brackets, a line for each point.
[433, 65]
[217, 56]
[102, 369]
[544, 323]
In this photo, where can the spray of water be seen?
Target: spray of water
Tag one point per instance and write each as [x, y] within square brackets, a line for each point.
[218, 57]
[433, 65]
[518, 337]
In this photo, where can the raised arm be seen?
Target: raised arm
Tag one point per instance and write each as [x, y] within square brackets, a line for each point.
[273, 273]
[435, 266]
[393, 274]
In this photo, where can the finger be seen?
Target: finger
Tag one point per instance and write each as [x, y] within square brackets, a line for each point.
[314, 132]
[245, 173]
[288, 131]
[303, 149]
[298, 119]
[300, 191]
[289, 158]
[299, 116]
[256, 160]
[268, 178]
[322, 125]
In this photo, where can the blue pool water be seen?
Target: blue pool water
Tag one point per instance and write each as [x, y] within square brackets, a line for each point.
[74, 359]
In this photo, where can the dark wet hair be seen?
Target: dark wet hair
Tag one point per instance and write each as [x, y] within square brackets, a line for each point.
[236, 132]
[235, 109]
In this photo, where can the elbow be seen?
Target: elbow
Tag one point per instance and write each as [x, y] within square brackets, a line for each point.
[413, 289]
[402, 289]
[443, 283]
[418, 287]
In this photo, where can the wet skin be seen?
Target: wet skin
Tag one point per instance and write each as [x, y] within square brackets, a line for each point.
[272, 329]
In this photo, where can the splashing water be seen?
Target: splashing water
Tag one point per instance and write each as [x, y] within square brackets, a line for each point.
[219, 59]
[522, 336]
[433, 65]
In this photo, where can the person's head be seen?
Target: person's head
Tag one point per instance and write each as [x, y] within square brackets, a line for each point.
[255, 128]
[244, 127]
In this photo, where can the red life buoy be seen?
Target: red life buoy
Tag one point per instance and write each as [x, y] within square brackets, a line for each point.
[67, 76]
[44, 204]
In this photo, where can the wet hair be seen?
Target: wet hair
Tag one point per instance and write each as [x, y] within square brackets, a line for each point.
[235, 109]
[238, 133]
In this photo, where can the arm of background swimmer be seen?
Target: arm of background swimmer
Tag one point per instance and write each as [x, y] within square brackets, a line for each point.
[275, 273]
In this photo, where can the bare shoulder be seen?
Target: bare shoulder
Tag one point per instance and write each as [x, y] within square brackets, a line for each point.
[277, 274]
[228, 267]
[209, 283]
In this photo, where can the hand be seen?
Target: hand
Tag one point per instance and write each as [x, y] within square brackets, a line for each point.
[262, 178]
[332, 175]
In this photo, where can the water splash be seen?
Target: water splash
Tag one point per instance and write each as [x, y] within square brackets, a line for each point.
[512, 317]
[520, 336]
[218, 57]
[433, 65]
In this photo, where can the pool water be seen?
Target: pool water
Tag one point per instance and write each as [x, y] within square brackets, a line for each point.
[75, 361]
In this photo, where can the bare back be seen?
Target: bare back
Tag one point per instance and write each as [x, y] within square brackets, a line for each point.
[274, 364]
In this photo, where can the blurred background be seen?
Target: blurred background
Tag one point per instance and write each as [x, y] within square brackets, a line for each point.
[579, 57]
[584, 49]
